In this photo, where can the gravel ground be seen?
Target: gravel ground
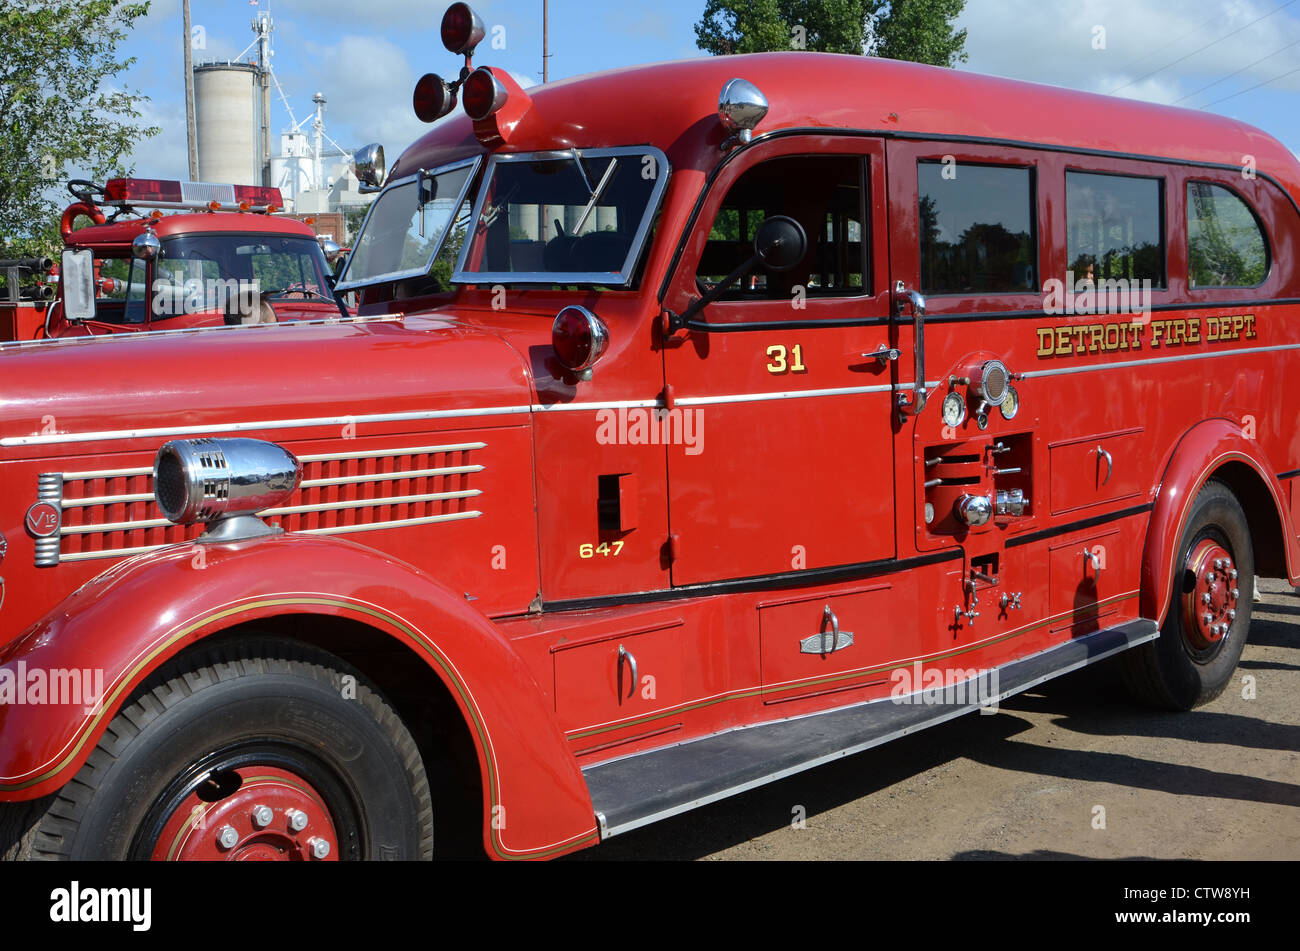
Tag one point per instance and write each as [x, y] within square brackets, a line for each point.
[1072, 769]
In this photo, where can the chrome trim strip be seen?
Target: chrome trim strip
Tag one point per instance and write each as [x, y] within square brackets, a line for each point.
[107, 474]
[115, 526]
[283, 510]
[1124, 364]
[656, 403]
[370, 503]
[621, 278]
[396, 523]
[339, 530]
[255, 328]
[108, 553]
[318, 457]
[389, 476]
[168, 431]
[378, 453]
[107, 499]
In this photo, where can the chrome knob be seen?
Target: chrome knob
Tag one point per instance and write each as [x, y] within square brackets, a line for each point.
[973, 509]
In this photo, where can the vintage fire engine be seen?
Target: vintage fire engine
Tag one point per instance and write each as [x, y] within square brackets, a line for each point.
[222, 256]
[679, 444]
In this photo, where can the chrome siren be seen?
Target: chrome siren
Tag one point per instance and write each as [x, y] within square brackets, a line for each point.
[223, 483]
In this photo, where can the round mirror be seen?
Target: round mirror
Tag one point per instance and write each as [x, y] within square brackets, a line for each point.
[146, 246]
[368, 164]
[331, 250]
[780, 243]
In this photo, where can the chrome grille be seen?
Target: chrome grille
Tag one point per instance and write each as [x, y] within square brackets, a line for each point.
[112, 513]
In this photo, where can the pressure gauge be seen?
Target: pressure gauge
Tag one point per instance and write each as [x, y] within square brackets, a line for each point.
[954, 410]
[1010, 404]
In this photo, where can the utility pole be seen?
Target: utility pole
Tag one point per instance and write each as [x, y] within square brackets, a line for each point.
[546, 49]
[190, 138]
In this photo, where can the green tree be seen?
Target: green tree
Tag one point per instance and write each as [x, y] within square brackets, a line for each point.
[917, 30]
[60, 109]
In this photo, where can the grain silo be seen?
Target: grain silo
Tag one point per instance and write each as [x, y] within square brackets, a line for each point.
[225, 110]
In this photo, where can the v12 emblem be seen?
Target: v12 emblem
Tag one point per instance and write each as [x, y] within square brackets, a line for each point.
[43, 519]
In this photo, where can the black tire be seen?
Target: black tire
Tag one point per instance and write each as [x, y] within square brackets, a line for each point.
[221, 708]
[1175, 671]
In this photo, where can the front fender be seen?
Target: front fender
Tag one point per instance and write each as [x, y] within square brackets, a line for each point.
[1204, 449]
[143, 611]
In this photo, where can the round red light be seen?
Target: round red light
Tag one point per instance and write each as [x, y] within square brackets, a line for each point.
[432, 98]
[579, 338]
[484, 94]
[462, 30]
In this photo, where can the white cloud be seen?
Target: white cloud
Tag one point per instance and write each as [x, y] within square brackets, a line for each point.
[1027, 39]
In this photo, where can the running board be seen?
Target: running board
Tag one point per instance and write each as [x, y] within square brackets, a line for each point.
[645, 787]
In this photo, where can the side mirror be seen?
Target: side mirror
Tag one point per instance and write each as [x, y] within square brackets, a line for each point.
[780, 243]
[78, 276]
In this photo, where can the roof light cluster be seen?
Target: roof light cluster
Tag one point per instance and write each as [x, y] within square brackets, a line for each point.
[486, 91]
[201, 196]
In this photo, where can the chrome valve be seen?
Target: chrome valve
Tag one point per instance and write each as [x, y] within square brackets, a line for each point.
[973, 509]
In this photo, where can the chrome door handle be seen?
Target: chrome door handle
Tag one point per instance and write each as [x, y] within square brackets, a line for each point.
[625, 656]
[1091, 556]
[1110, 463]
[902, 296]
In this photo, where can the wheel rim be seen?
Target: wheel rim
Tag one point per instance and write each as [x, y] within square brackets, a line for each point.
[252, 804]
[1210, 598]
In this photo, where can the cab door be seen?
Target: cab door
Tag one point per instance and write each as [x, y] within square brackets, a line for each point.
[781, 393]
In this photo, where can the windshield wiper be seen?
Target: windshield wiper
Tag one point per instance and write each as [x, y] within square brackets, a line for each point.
[595, 194]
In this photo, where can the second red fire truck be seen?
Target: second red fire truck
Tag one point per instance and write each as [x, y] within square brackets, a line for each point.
[700, 423]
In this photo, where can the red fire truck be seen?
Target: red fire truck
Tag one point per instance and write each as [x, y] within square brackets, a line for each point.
[701, 423]
[220, 257]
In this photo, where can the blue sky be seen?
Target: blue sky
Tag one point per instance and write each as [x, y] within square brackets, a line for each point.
[365, 55]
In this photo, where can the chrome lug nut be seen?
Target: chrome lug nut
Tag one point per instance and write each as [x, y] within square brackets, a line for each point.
[227, 837]
[319, 848]
[1232, 575]
[1206, 619]
[262, 816]
[297, 819]
[1232, 615]
[1209, 576]
[1218, 564]
[1236, 592]
[1205, 598]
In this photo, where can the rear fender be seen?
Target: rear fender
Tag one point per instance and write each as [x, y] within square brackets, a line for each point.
[1205, 449]
[135, 616]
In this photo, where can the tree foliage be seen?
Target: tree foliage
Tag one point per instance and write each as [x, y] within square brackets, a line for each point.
[60, 110]
[917, 30]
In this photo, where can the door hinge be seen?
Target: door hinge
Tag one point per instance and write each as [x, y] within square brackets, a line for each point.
[672, 547]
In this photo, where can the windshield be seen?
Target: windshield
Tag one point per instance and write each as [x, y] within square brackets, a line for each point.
[232, 273]
[563, 217]
[403, 234]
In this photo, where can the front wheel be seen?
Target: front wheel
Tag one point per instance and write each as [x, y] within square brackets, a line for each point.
[259, 749]
[1209, 612]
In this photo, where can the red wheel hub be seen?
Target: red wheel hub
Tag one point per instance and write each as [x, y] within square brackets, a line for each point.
[1210, 607]
[273, 815]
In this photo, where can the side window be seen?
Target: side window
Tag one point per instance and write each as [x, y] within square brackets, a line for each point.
[977, 228]
[1115, 227]
[827, 196]
[1225, 242]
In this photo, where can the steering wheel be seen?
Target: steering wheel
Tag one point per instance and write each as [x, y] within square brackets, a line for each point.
[84, 190]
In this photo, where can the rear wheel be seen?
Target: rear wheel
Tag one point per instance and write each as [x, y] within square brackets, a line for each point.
[255, 750]
[1209, 612]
